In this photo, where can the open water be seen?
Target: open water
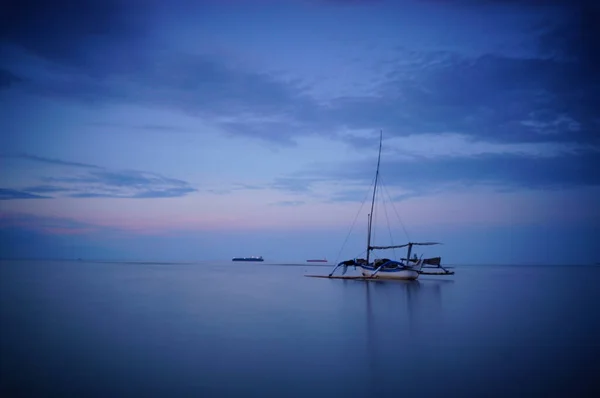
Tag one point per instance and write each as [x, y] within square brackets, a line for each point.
[82, 329]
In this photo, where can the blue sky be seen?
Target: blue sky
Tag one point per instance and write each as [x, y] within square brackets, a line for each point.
[188, 130]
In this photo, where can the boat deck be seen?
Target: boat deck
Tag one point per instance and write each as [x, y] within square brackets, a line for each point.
[366, 278]
[338, 277]
[358, 278]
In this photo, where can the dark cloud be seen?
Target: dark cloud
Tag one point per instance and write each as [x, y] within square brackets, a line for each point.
[123, 184]
[236, 187]
[142, 127]
[165, 193]
[576, 39]
[265, 106]
[499, 170]
[351, 2]
[208, 85]
[7, 79]
[59, 162]
[10, 194]
[276, 132]
[431, 175]
[66, 31]
[83, 180]
[526, 3]
[124, 179]
[491, 96]
[46, 189]
[143, 194]
[250, 187]
[92, 195]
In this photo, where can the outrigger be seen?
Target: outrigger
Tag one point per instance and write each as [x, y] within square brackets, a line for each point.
[406, 269]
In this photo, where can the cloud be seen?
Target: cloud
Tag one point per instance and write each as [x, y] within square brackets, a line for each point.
[492, 97]
[9, 194]
[354, 195]
[351, 2]
[7, 79]
[244, 186]
[165, 193]
[61, 31]
[289, 203]
[123, 184]
[162, 128]
[526, 98]
[82, 180]
[43, 159]
[46, 189]
[263, 105]
[425, 146]
[271, 131]
[419, 174]
[226, 190]
[122, 179]
[503, 2]
[546, 96]
[295, 183]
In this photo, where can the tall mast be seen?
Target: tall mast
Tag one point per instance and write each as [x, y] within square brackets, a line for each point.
[373, 200]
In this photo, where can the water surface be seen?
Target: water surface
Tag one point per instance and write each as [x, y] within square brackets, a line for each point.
[256, 330]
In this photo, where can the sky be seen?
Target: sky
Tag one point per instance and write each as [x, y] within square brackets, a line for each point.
[201, 130]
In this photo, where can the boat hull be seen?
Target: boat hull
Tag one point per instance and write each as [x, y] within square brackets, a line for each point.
[247, 259]
[396, 274]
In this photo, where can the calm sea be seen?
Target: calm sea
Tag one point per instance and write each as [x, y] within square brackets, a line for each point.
[79, 329]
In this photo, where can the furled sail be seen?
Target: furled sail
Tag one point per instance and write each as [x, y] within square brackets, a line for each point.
[387, 247]
[404, 245]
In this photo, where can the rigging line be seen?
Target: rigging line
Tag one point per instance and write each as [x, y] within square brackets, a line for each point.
[396, 211]
[377, 210]
[360, 254]
[354, 222]
[387, 219]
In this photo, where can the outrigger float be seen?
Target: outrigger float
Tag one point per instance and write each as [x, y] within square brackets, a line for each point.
[385, 269]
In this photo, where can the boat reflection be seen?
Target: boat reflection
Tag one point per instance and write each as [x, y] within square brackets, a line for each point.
[401, 317]
[412, 306]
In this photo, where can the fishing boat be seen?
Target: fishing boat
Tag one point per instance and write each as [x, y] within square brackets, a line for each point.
[384, 268]
[253, 258]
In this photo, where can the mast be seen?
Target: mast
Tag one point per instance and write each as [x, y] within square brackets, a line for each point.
[373, 200]
[368, 235]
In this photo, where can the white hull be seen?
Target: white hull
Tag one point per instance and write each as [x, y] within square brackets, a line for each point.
[407, 274]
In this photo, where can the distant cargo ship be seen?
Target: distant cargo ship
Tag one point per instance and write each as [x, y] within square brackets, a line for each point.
[248, 258]
[317, 261]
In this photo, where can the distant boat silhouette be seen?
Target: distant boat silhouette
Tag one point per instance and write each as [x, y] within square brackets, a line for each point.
[253, 258]
[317, 261]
